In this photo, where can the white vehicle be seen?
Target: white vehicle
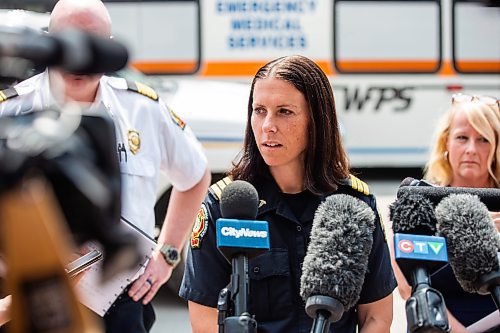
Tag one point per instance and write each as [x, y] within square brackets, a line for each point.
[393, 64]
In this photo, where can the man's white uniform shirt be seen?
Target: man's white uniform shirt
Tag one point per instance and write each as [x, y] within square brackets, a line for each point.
[165, 142]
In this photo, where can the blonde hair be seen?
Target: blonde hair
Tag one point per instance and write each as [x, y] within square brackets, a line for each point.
[485, 119]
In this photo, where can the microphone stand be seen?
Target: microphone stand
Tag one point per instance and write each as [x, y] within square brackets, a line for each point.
[425, 309]
[234, 300]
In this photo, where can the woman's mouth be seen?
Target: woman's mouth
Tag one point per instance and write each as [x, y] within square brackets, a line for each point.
[271, 144]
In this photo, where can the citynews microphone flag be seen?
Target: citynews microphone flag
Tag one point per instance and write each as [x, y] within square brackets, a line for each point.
[242, 234]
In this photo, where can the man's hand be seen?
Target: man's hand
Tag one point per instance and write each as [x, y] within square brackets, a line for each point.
[181, 214]
[156, 274]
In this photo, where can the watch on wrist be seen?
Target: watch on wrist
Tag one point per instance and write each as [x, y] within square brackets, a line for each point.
[171, 254]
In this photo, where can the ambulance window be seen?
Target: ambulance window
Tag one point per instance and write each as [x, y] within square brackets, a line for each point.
[387, 36]
[31, 5]
[163, 36]
[476, 37]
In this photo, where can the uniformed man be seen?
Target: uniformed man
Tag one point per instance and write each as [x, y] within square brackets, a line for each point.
[293, 156]
[149, 137]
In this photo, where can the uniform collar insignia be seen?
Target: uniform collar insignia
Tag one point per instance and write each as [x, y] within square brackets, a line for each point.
[134, 141]
[262, 203]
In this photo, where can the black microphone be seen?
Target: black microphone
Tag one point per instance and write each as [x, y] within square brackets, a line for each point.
[239, 200]
[239, 237]
[410, 181]
[473, 244]
[418, 253]
[74, 51]
[334, 267]
[489, 196]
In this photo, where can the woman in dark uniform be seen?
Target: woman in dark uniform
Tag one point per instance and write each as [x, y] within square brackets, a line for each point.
[294, 157]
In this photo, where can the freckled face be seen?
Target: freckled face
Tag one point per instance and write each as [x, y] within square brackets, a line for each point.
[468, 154]
[280, 121]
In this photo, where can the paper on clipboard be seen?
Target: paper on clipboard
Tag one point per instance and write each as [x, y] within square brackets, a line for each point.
[490, 323]
[99, 296]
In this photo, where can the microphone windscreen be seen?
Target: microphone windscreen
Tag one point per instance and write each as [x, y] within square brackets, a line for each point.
[73, 50]
[412, 214]
[489, 196]
[337, 255]
[84, 53]
[471, 238]
[239, 200]
[108, 55]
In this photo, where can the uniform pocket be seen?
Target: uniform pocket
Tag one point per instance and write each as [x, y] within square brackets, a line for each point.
[138, 192]
[270, 285]
[135, 166]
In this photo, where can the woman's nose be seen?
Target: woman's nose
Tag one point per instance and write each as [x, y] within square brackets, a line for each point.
[471, 147]
[269, 124]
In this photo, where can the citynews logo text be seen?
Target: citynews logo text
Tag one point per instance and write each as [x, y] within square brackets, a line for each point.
[243, 232]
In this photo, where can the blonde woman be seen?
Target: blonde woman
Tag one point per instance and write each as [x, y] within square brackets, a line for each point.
[466, 153]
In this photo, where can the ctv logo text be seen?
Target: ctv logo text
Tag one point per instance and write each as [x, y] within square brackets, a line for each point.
[421, 247]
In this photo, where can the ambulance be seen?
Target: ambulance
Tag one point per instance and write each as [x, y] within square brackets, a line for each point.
[393, 65]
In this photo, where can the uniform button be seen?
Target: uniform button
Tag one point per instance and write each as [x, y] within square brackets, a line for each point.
[256, 269]
[299, 228]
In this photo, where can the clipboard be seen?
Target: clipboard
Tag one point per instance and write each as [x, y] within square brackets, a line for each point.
[82, 263]
[99, 296]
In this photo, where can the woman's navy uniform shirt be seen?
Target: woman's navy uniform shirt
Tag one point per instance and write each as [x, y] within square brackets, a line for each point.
[275, 275]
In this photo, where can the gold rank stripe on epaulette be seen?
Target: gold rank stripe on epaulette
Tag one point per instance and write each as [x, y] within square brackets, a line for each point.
[216, 189]
[7, 94]
[359, 185]
[142, 89]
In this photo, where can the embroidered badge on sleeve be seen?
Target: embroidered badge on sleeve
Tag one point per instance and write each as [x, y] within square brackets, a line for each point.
[200, 227]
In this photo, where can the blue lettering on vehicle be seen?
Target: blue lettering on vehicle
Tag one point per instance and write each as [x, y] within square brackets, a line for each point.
[266, 25]
[265, 6]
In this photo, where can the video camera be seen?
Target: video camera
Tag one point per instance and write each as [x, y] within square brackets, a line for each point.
[57, 165]
[74, 152]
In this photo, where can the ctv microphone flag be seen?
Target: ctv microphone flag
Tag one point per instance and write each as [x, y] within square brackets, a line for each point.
[420, 247]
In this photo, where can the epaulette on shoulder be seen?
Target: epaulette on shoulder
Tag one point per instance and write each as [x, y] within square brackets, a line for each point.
[8, 94]
[142, 89]
[357, 184]
[216, 189]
